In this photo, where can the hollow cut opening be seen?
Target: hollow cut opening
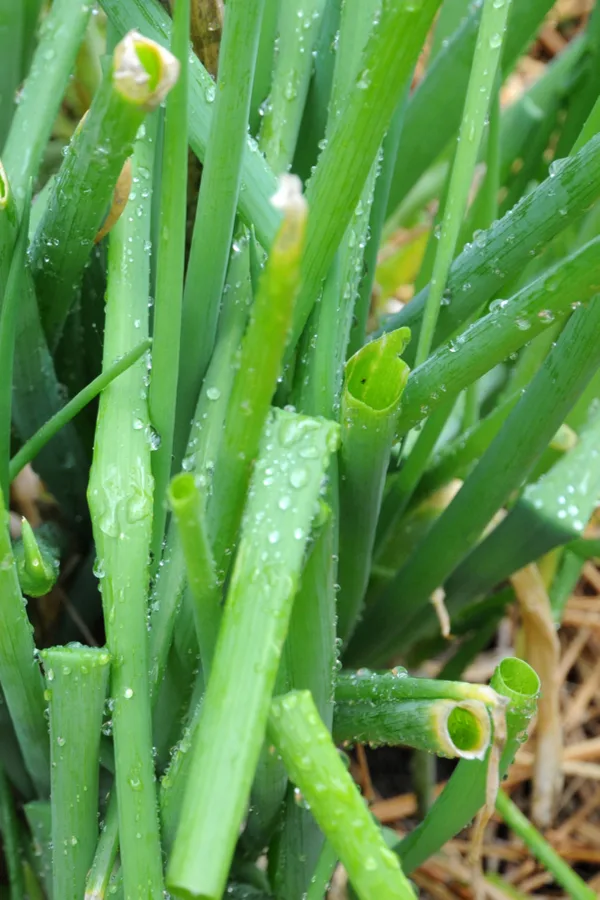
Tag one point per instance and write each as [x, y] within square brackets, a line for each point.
[464, 729]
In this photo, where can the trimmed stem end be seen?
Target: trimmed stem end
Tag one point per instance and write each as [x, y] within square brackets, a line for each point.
[143, 71]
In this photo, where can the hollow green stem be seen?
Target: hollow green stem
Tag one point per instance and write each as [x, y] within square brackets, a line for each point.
[465, 793]
[565, 373]
[256, 377]
[374, 383]
[217, 201]
[139, 76]
[298, 32]
[541, 849]
[120, 498]
[396, 685]
[170, 258]
[188, 505]
[76, 682]
[44, 88]
[32, 447]
[481, 82]
[315, 766]
[295, 454]
[446, 727]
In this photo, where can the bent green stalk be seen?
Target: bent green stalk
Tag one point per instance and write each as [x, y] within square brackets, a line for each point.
[505, 329]
[521, 234]
[140, 75]
[465, 793]
[543, 851]
[20, 676]
[396, 685]
[188, 504]
[374, 383]
[260, 363]
[120, 498]
[399, 614]
[170, 262]
[446, 727]
[217, 200]
[315, 766]
[481, 82]
[285, 486]
[38, 441]
[76, 682]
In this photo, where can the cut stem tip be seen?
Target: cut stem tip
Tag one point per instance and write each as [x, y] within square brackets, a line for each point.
[143, 71]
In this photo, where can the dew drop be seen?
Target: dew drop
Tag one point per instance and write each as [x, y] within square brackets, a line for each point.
[298, 477]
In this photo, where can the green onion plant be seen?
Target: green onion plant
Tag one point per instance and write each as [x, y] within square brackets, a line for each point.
[257, 476]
